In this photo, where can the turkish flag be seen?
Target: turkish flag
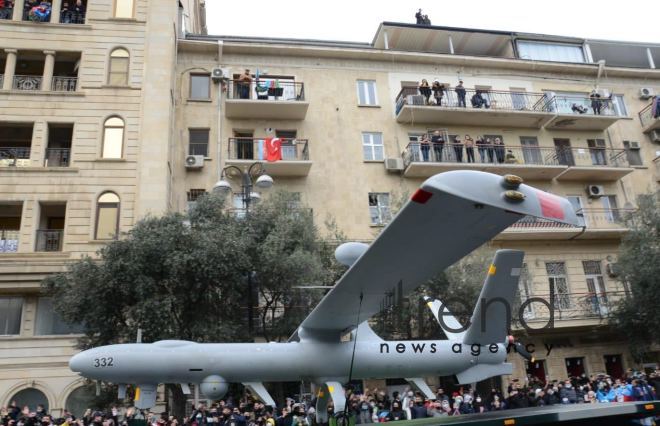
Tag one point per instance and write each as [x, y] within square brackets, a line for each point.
[273, 149]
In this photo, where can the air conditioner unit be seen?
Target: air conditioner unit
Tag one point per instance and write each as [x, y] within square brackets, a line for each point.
[655, 135]
[633, 145]
[612, 269]
[394, 164]
[646, 93]
[218, 74]
[194, 161]
[595, 191]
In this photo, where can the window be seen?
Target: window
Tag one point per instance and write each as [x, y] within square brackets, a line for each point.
[198, 142]
[597, 298]
[372, 146]
[632, 153]
[123, 8]
[367, 92]
[597, 151]
[49, 322]
[113, 137]
[576, 203]
[30, 397]
[193, 195]
[558, 52]
[619, 105]
[11, 309]
[200, 87]
[530, 150]
[611, 208]
[558, 284]
[525, 291]
[118, 69]
[107, 216]
[379, 208]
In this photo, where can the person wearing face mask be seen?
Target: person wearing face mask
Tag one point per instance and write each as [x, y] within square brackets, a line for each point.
[397, 413]
[418, 411]
[478, 405]
[298, 418]
[567, 394]
[551, 397]
[466, 407]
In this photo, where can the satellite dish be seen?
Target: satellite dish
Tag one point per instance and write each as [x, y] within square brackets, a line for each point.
[348, 253]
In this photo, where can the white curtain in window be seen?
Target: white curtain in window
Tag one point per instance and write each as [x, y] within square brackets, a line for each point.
[558, 52]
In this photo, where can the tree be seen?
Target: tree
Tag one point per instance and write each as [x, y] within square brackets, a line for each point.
[637, 315]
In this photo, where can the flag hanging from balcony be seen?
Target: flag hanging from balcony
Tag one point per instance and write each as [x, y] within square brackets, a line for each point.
[273, 149]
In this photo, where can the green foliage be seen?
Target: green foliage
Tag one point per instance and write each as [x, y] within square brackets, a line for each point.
[185, 276]
[638, 315]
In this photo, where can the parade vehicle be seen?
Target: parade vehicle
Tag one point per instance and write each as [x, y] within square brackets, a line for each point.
[449, 216]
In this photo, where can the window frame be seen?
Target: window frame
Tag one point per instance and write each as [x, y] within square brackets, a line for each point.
[633, 153]
[5, 324]
[98, 211]
[552, 43]
[561, 303]
[54, 318]
[380, 206]
[190, 89]
[366, 93]
[116, 4]
[372, 145]
[191, 130]
[104, 139]
[109, 81]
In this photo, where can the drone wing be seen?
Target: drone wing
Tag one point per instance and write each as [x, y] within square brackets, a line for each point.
[449, 216]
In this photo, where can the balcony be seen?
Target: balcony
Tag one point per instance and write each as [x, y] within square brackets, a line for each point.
[295, 156]
[6, 12]
[596, 224]
[649, 122]
[9, 240]
[64, 84]
[531, 163]
[49, 239]
[57, 157]
[482, 108]
[578, 113]
[27, 82]
[14, 156]
[72, 15]
[592, 164]
[284, 100]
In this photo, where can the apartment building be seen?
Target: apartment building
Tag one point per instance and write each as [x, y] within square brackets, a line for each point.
[84, 93]
[574, 117]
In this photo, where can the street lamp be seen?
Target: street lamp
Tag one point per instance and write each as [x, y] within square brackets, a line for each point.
[263, 181]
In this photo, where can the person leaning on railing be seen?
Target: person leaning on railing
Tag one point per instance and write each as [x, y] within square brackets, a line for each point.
[425, 90]
[469, 148]
[243, 83]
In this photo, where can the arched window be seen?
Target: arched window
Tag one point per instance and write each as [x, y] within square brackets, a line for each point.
[107, 216]
[123, 8]
[30, 397]
[118, 68]
[113, 137]
[80, 399]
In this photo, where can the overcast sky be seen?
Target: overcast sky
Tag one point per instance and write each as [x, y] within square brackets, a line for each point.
[357, 20]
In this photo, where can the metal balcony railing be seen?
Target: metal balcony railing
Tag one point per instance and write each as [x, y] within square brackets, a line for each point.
[509, 154]
[566, 306]
[57, 157]
[271, 89]
[27, 82]
[581, 105]
[72, 17]
[6, 12]
[594, 219]
[2, 81]
[14, 157]
[49, 239]
[9, 240]
[646, 115]
[64, 84]
[255, 149]
[500, 100]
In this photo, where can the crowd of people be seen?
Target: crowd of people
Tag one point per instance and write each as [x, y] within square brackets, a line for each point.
[72, 12]
[433, 147]
[369, 406]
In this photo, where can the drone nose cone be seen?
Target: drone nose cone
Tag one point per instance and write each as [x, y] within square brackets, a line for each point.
[77, 362]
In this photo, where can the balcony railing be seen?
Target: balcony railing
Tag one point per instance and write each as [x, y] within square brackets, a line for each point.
[267, 89]
[57, 157]
[255, 149]
[9, 240]
[649, 120]
[589, 218]
[573, 306]
[49, 239]
[65, 84]
[6, 12]
[474, 98]
[27, 82]
[14, 157]
[2, 81]
[72, 17]
[39, 12]
[582, 105]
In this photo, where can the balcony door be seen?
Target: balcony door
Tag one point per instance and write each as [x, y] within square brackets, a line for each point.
[597, 296]
[576, 202]
[564, 153]
[610, 208]
[244, 144]
[597, 151]
[530, 150]
[614, 366]
[288, 143]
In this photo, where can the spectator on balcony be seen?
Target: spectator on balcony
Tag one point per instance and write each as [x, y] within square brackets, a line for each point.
[425, 146]
[499, 150]
[438, 92]
[479, 100]
[596, 102]
[419, 18]
[481, 147]
[460, 93]
[438, 145]
[458, 149]
[79, 12]
[6, 9]
[469, 148]
[425, 90]
[243, 83]
[509, 158]
[490, 149]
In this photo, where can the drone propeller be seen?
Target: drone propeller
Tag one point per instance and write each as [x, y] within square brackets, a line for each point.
[520, 348]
